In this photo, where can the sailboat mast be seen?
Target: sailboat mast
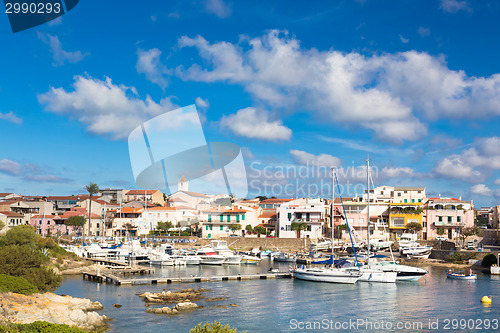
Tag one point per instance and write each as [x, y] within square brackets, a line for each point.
[368, 208]
[333, 207]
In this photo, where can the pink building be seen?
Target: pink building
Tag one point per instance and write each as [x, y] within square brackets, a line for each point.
[447, 216]
[51, 225]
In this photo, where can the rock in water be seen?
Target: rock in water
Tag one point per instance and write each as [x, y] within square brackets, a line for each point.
[117, 305]
[52, 308]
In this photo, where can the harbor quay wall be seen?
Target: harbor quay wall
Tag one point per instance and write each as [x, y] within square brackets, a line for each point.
[464, 255]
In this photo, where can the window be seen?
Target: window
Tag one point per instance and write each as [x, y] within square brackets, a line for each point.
[288, 228]
[289, 216]
[221, 218]
[449, 219]
[440, 218]
[309, 228]
[228, 219]
[406, 200]
[209, 218]
[298, 215]
[308, 216]
[211, 228]
[398, 222]
[206, 227]
[237, 218]
[406, 192]
[412, 200]
[459, 219]
[221, 228]
[399, 194]
[419, 200]
[243, 217]
[424, 224]
[419, 192]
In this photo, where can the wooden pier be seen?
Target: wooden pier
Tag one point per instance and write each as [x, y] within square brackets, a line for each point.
[105, 262]
[113, 279]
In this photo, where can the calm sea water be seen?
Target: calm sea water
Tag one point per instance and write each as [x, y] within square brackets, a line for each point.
[434, 303]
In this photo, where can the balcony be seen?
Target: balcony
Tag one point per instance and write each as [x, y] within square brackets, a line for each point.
[448, 224]
[310, 220]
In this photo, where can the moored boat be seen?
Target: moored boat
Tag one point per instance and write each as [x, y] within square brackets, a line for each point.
[209, 257]
[461, 276]
[332, 275]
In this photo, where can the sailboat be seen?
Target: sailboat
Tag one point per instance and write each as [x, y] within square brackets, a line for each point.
[370, 272]
[328, 274]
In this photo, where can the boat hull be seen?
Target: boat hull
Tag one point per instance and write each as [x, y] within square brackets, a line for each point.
[326, 275]
[455, 276]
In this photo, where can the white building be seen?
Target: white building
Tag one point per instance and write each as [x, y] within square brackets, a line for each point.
[309, 211]
[409, 194]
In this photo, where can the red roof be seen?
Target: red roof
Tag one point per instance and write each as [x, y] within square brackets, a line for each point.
[267, 215]
[131, 210]
[162, 208]
[272, 201]
[45, 216]
[71, 197]
[12, 214]
[141, 192]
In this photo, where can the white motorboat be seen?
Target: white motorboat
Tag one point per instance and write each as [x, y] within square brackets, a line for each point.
[379, 244]
[422, 252]
[209, 257]
[332, 275]
[221, 248]
[190, 257]
[245, 259]
[404, 272]
[285, 257]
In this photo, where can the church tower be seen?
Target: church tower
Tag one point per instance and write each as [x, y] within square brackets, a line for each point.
[183, 184]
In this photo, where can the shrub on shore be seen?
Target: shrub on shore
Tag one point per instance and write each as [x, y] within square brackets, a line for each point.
[38, 327]
[17, 285]
[25, 254]
[215, 327]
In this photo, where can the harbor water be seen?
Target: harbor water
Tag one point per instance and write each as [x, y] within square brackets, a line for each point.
[434, 303]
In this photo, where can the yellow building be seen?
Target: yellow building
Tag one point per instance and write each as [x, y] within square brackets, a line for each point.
[400, 214]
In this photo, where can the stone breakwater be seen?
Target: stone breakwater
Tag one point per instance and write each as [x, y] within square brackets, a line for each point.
[52, 308]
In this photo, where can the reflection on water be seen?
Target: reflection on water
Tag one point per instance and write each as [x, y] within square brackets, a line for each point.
[273, 305]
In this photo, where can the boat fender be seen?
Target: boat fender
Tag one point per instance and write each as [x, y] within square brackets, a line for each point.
[486, 300]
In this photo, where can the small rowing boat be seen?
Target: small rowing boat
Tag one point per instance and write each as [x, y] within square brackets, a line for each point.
[461, 276]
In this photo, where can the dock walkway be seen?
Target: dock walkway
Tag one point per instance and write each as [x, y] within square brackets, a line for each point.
[113, 279]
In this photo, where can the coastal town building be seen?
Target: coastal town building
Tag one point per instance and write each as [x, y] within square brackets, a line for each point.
[310, 212]
[149, 196]
[446, 217]
[408, 194]
[11, 219]
[218, 222]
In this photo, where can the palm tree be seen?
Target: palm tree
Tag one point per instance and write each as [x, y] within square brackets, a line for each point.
[92, 188]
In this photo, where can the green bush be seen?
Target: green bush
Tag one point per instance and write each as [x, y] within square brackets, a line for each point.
[39, 327]
[488, 260]
[20, 235]
[215, 327]
[27, 262]
[17, 285]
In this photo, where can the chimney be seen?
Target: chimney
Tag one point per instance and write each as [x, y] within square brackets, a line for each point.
[460, 198]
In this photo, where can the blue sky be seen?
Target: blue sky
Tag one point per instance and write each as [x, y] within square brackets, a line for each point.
[414, 84]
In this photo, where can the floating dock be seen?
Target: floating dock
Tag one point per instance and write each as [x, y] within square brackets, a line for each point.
[113, 279]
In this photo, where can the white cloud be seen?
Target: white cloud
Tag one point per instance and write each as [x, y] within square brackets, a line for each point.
[473, 163]
[218, 8]
[105, 108]
[393, 95]
[481, 189]
[404, 40]
[496, 182]
[454, 6]
[396, 172]
[201, 103]
[322, 160]
[424, 32]
[149, 64]
[47, 179]
[11, 117]
[56, 21]
[256, 124]
[59, 55]
[10, 167]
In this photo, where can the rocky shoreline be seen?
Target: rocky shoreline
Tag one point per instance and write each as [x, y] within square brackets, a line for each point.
[52, 308]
